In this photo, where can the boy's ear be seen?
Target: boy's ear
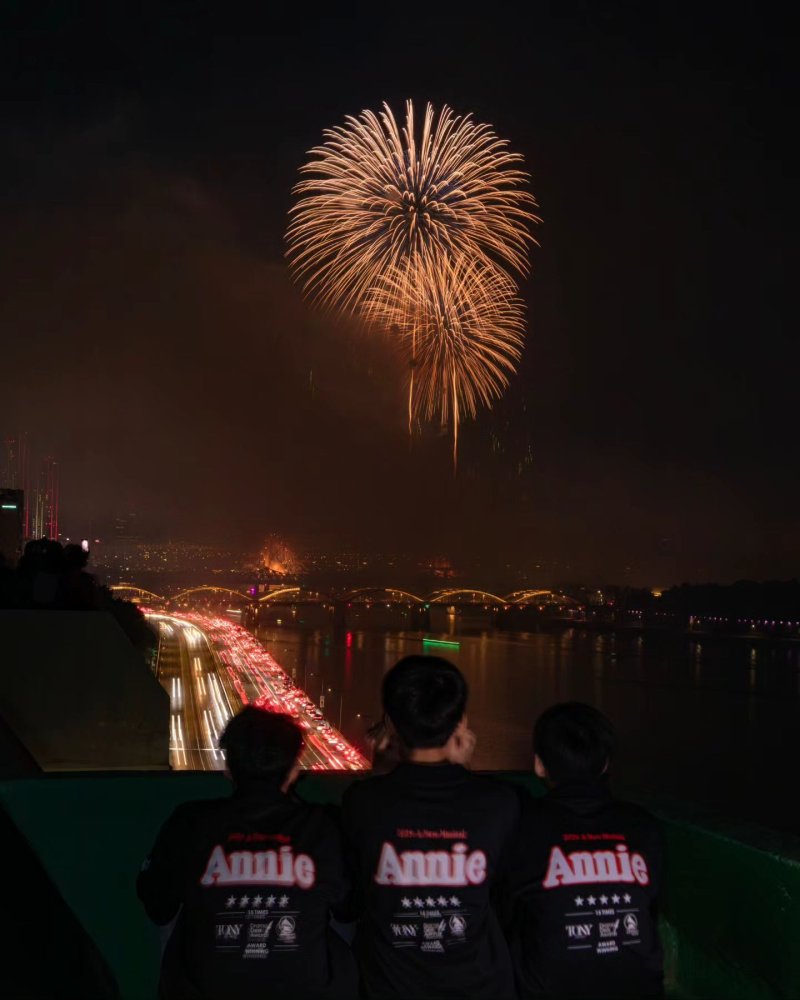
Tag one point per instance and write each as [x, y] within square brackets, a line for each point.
[538, 767]
[606, 766]
[389, 726]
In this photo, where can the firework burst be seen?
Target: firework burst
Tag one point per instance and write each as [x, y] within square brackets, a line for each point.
[462, 327]
[419, 231]
[378, 195]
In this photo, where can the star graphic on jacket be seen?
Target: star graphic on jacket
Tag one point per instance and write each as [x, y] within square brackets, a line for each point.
[579, 900]
[406, 902]
[442, 901]
[615, 898]
[604, 900]
[430, 901]
[455, 901]
[283, 901]
[244, 901]
[627, 898]
[270, 901]
[231, 901]
[257, 900]
[418, 901]
[591, 900]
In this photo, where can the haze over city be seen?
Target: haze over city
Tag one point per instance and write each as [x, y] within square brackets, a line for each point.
[153, 339]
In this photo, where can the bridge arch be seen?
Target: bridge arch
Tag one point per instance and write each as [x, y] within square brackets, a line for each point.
[523, 598]
[131, 588]
[272, 594]
[207, 588]
[363, 594]
[457, 594]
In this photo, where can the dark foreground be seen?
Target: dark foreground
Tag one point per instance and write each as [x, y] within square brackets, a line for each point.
[731, 916]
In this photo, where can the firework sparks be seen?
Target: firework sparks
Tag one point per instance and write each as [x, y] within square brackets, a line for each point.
[418, 231]
[378, 195]
[462, 325]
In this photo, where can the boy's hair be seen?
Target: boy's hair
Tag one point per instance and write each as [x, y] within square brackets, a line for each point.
[425, 697]
[261, 744]
[574, 741]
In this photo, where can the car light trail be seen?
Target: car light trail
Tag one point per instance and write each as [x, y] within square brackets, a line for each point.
[176, 742]
[224, 657]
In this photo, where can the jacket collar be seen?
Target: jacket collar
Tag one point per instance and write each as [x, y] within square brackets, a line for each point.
[582, 796]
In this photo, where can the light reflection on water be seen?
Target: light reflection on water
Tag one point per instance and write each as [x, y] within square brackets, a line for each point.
[714, 721]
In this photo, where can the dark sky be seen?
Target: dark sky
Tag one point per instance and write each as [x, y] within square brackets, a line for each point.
[150, 336]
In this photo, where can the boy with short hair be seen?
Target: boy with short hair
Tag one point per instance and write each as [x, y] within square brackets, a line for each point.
[252, 879]
[586, 872]
[429, 840]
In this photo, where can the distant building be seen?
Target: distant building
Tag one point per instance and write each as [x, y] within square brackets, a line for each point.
[45, 500]
[126, 527]
[14, 472]
[12, 508]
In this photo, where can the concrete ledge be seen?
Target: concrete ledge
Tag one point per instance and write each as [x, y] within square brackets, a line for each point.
[77, 693]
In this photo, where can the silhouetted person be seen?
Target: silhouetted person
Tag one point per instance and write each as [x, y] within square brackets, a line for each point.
[585, 873]
[78, 590]
[252, 879]
[8, 584]
[38, 573]
[428, 840]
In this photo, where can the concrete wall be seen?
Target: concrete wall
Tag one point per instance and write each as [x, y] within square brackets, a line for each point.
[77, 693]
[731, 906]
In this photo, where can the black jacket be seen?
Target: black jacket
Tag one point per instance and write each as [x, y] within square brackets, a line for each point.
[252, 879]
[428, 843]
[585, 877]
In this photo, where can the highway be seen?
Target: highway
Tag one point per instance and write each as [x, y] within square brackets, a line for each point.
[211, 667]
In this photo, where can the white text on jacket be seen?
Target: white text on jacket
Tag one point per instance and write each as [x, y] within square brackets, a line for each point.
[254, 867]
[458, 866]
[582, 867]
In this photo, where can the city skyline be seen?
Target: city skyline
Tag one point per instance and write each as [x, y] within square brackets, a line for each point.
[38, 479]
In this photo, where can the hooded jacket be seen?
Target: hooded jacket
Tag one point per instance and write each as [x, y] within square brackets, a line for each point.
[585, 878]
[252, 879]
[429, 842]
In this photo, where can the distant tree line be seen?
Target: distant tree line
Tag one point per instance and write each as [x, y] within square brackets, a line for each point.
[778, 599]
[771, 599]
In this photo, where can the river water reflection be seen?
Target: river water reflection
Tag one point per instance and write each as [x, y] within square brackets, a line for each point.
[713, 721]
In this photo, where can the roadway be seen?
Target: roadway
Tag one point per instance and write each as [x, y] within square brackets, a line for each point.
[211, 667]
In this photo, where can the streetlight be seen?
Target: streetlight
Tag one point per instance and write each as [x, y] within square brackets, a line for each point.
[341, 700]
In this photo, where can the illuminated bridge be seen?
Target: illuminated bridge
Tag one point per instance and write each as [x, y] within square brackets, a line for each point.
[450, 597]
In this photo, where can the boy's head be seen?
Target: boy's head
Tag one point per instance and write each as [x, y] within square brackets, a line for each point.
[261, 745]
[425, 698]
[572, 742]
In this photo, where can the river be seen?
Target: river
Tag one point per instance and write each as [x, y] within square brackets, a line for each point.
[715, 722]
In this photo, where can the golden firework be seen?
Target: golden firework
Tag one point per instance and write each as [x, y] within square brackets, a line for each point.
[419, 230]
[377, 195]
[462, 325]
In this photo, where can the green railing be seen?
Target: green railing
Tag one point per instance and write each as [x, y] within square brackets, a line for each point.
[731, 912]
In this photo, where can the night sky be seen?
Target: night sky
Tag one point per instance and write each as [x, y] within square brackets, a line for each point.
[150, 335]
